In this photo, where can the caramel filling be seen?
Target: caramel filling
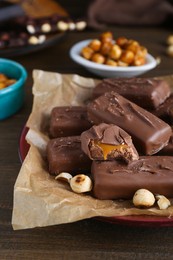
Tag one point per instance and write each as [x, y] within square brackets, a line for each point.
[107, 148]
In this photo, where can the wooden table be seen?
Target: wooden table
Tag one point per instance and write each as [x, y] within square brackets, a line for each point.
[87, 239]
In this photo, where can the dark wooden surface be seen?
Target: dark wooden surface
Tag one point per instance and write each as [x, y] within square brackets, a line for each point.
[87, 239]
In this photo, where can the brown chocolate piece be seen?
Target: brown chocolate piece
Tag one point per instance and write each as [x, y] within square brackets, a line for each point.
[116, 180]
[108, 142]
[147, 93]
[149, 133]
[65, 155]
[165, 110]
[68, 121]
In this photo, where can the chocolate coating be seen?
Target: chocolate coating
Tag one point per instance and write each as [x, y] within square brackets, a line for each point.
[110, 136]
[165, 110]
[149, 133]
[65, 155]
[147, 93]
[68, 121]
[115, 180]
[168, 149]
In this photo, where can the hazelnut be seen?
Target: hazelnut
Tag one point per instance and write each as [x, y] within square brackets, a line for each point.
[41, 39]
[33, 40]
[105, 48]
[64, 176]
[2, 85]
[127, 56]
[87, 52]
[71, 26]
[142, 51]
[95, 45]
[81, 183]
[98, 58]
[132, 46]
[115, 52]
[170, 50]
[143, 198]
[162, 202]
[62, 26]
[121, 41]
[3, 77]
[111, 62]
[80, 25]
[106, 37]
[138, 61]
[170, 40]
[46, 27]
[122, 64]
[31, 29]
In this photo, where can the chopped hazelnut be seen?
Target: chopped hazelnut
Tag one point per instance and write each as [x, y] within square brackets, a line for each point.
[81, 183]
[162, 202]
[64, 176]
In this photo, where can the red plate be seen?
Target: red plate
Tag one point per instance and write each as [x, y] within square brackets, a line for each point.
[128, 220]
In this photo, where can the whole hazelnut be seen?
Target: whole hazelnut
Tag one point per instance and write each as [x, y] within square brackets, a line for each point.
[87, 52]
[143, 198]
[95, 44]
[127, 56]
[115, 52]
[98, 58]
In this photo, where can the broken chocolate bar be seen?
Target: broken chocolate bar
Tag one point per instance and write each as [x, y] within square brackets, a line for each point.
[68, 121]
[108, 142]
[147, 93]
[116, 180]
[149, 133]
[65, 155]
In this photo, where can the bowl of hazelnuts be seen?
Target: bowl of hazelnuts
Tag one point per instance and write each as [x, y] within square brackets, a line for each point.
[109, 57]
[12, 79]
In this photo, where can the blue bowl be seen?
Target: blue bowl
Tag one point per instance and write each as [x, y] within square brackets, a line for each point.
[12, 97]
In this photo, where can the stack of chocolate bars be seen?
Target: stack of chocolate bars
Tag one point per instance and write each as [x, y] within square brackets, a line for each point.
[122, 138]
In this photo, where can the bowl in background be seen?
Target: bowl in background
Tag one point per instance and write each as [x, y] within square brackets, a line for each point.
[12, 97]
[107, 71]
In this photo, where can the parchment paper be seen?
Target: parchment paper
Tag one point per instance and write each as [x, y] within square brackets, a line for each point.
[40, 200]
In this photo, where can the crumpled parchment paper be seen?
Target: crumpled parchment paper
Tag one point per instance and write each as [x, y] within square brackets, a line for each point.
[40, 200]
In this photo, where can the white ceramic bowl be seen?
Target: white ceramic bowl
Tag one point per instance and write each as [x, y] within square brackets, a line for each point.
[107, 71]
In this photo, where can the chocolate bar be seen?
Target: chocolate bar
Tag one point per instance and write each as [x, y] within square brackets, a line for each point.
[165, 110]
[68, 121]
[147, 93]
[149, 133]
[168, 149]
[108, 142]
[116, 180]
[65, 155]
